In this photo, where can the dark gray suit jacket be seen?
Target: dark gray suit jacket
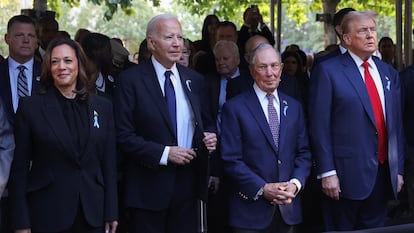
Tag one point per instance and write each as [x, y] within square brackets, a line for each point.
[6, 147]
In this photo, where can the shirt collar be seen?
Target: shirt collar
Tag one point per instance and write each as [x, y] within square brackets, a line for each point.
[13, 64]
[262, 95]
[160, 69]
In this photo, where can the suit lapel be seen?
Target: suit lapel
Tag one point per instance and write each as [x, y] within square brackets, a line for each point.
[284, 111]
[256, 110]
[94, 125]
[387, 86]
[351, 71]
[187, 85]
[36, 76]
[54, 118]
[5, 87]
[152, 85]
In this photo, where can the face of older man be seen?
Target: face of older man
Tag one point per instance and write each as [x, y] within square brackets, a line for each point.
[361, 39]
[266, 70]
[167, 42]
[226, 61]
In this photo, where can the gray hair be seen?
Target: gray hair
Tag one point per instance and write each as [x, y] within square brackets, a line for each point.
[356, 15]
[259, 48]
[152, 24]
[227, 44]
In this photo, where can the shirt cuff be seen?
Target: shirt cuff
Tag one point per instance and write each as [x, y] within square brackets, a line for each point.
[164, 157]
[259, 193]
[326, 174]
[297, 183]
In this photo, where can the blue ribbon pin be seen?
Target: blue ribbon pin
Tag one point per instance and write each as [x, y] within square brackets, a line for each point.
[285, 108]
[95, 119]
[388, 83]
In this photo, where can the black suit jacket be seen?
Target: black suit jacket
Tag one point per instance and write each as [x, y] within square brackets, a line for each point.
[407, 83]
[49, 179]
[144, 129]
[5, 90]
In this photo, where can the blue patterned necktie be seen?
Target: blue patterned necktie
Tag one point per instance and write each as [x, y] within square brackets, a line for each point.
[22, 87]
[170, 99]
[273, 120]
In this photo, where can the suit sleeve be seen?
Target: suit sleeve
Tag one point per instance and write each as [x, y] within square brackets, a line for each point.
[246, 179]
[20, 168]
[130, 132]
[6, 148]
[110, 171]
[320, 109]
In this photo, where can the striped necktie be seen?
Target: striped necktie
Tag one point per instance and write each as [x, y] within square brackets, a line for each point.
[22, 87]
[273, 120]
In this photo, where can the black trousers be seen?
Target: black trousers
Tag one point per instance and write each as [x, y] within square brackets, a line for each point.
[80, 225]
[277, 226]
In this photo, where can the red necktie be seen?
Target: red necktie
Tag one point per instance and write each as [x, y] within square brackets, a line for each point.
[378, 114]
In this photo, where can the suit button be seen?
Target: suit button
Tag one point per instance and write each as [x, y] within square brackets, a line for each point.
[279, 162]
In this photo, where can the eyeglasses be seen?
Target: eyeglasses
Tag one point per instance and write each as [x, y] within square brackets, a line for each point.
[264, 67]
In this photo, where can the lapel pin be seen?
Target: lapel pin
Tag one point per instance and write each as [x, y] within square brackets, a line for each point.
[388, 83]
[95, 119]
[285, 107]
[187, 83]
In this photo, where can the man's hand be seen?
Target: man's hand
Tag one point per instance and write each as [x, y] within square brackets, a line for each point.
[330, 186]
[210, 141]
[279, 193]
[110, 227]
[180, 156]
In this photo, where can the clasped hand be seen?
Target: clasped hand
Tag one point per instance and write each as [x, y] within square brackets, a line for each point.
[279, 193]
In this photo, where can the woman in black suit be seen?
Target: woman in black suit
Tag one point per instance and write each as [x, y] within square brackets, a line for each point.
[63, 176]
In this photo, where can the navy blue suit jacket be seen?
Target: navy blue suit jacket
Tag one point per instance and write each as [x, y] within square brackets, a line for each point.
[5, 91]
[342, 125]
[144, 129]
[47, 196]
[251, 160]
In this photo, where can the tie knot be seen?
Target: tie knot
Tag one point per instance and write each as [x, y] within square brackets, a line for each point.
[365, 64]
[270, 97]
[21, 68]
[168, 74]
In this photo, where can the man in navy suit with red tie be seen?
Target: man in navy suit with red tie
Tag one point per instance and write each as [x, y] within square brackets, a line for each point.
[163, 136]
[356, 129]
[264, 146]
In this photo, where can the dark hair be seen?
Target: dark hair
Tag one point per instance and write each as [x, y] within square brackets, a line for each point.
[298, 59]
[80, 34]
[337, 19]
[383, 39]
[144, 52]
[48, 21]
[227, 24]
[85, 80]
[207, 22]
[20, 19]
[97, 48]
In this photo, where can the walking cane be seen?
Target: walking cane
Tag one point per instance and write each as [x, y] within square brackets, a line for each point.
[202, 216]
